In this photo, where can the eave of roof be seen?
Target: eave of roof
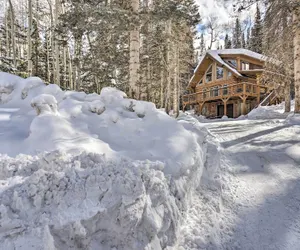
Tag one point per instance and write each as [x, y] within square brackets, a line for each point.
[215, 55]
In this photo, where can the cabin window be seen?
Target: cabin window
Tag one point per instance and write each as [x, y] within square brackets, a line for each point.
[225, 90]
[209, 74]
[245, 66]
[214, 91]
[220, 72]
[229, 74]
[204, 93]
[232, 62]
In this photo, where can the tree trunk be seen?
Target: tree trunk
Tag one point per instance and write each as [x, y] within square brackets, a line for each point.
[71, 86]
[176, 85]
[56, 45]
[287, 96]
[77, 63]
[29, 43]
[13, 35]
[48, 58]
[296, 26]
[7, 37]
[134, 61]
[168, 61]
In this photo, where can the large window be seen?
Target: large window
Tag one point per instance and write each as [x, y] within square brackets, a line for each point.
[220, 72]
[232, 62]
[209, 74]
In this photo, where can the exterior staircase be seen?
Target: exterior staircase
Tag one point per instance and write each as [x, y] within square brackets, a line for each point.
[269, 99]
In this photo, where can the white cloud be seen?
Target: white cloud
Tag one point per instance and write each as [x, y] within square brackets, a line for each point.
[223, 10]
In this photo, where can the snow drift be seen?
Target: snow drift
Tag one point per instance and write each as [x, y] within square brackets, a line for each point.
[93, 171]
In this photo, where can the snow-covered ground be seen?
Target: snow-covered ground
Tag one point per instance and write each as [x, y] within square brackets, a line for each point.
[99, 172]
[256, 204]
[103, 172]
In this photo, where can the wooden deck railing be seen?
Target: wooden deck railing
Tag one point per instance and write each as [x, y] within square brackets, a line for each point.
[221, 92]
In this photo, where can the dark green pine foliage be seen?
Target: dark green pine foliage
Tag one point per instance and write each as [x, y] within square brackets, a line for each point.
[237, 35]
[248, 46]
[256, 40]
[228, 44]
[202, 45]
[244, 45]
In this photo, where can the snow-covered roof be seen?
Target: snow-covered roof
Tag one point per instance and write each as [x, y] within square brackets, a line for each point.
[216, 54]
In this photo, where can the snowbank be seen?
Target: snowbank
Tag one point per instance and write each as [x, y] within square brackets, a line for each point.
[269, 112]
[293, 119]
[95, 171]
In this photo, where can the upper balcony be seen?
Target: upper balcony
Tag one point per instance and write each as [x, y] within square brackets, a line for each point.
[224, 92]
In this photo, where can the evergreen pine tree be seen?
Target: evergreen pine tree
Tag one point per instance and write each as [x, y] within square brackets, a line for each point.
[256, 40]
[202, 45]
[243, 41]
[237, 35]
[227, 42]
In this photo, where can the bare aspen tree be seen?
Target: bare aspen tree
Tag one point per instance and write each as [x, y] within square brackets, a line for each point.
[168, 62]
[13, 33]
[56, 46]
[176, 81]
[296, 27]
[134, 60]
[71, 85]
[29, 42]
[7, 37]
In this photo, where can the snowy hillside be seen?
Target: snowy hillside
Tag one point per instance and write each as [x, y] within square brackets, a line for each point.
[93, 171]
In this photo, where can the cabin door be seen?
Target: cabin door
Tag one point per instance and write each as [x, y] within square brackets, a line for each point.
[230, 110]
[220, 110]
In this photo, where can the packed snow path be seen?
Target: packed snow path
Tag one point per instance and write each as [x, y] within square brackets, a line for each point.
[255, 200]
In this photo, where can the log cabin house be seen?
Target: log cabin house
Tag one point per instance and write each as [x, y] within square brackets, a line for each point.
[226, 83]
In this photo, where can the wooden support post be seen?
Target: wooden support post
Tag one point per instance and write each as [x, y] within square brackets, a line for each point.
[258, 95]
[244, 88]
[225, 108]
[244, 105]
[200, 108]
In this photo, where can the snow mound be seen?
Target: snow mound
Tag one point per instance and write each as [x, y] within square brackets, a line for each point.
[267, 112]
[293, 119]
[87, 202]
[44, 104]
[97, 107]
[71, 179]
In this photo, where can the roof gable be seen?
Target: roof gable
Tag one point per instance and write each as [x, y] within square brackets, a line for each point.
[215, 55]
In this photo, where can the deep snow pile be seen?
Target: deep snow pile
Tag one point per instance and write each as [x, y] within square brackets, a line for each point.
[119, 173]
[267, 112]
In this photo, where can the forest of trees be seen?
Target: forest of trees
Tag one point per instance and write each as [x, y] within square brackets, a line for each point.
[143, 47]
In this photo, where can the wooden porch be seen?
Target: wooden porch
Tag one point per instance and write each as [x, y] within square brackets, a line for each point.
[243, 90]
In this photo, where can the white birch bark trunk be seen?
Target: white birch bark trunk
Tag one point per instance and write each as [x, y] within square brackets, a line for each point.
[296, 26]
[176, 82]
[7, 37]
[168, 61]
[56, 45]
[29, 42]
[287, 96]
[134, 61]
[48, 58]
[13, 35]
[77, 63]
[70, 69]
